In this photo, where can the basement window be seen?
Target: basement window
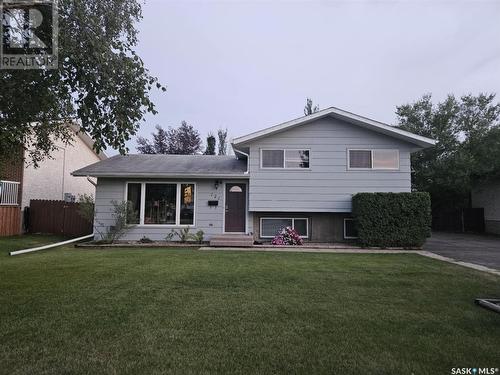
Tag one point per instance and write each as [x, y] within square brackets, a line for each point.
[270, 226]
[350, 231]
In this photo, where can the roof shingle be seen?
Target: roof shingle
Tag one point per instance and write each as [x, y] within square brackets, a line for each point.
[142, 165]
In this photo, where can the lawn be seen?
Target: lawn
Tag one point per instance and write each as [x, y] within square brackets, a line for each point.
[183, 311]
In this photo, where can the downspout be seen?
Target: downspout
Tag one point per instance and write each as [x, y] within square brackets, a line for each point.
[248, 159]
[92, 182]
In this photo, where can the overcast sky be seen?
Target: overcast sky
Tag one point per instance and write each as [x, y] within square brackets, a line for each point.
[249, 65]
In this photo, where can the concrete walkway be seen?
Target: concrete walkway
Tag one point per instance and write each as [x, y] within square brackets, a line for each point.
[298, 249]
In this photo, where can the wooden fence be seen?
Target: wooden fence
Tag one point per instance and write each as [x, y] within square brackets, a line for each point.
[10, 220]
[57, 217]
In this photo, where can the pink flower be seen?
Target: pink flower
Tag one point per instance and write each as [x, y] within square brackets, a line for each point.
[287, 236]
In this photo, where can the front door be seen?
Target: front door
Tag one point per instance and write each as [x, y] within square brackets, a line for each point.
[236, 202]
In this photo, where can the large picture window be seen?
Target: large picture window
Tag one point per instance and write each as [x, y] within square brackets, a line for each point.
[285, 158]
[270, 226]
[160, 204]
[170, 204]
[373, 159]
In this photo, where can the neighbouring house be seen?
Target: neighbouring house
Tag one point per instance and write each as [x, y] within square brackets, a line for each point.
[486, 195]
[302, 173]
[52, 180]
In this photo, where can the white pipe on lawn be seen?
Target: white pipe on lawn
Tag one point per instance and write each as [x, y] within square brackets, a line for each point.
[51, 245]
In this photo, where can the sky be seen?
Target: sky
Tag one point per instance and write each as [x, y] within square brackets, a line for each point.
[247, 65]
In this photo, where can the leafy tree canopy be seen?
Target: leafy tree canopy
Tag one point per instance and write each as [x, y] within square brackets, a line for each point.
[184, 140]
[101, 81]
[468, 149]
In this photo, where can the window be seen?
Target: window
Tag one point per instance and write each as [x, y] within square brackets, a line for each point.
[269, 227]
[350, 231]
[187, 204]
[373, 159]
[385, 159]
[360, 159]
[286, 158]
[134, 203]
[296, 159]
[272, 158]
[161, 203]
[236, 189]
[9, 192]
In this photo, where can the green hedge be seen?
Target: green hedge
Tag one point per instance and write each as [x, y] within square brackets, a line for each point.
[392, 219]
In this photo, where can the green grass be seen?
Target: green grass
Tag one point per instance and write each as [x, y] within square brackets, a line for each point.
[183, 311]
[8, 244]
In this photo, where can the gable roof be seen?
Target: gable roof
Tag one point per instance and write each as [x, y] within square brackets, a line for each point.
[352, 118]
[158, 165]
[89, 142]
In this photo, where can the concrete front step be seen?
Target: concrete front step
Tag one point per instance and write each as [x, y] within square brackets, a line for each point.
[233, 240]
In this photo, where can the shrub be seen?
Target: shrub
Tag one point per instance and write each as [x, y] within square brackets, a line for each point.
[145, 239]
[287, 236]
[198, 236]
[392, 219]
[184, 235]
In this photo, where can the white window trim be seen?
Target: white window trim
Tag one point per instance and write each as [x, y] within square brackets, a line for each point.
[371, 153]
[284, 158]
[345, 235]
[177, 204]
[284, 218]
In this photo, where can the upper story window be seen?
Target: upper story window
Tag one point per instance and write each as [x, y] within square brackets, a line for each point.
[284, 158]
[373, 159]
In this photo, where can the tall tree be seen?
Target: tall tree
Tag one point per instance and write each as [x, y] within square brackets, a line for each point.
[309, 109]
[160, 144]
[468, 134]
[222, 135]
[100, 80]
[188, 140]
[211, 143]
[184, 140]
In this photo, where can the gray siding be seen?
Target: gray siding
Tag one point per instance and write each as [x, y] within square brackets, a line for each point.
[328, 185]
[208, 219]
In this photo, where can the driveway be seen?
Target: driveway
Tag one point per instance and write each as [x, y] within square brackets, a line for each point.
[472, 248]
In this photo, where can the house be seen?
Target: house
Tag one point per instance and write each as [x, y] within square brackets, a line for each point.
[486, 195]
[52, 180]
[302, 173]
